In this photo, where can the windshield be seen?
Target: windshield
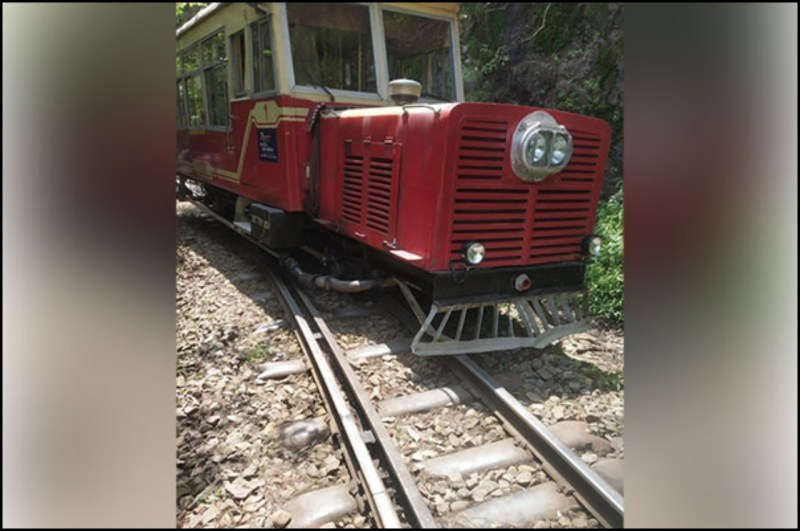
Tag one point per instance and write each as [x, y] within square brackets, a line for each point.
[332, 46]
[418, 48]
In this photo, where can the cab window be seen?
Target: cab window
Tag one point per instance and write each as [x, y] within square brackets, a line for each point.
[419, 48]
[332, 46]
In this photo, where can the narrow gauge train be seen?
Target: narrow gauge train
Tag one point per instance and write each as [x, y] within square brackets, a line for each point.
[340, 130]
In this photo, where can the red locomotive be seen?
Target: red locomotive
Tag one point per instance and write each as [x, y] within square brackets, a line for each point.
[301, 126]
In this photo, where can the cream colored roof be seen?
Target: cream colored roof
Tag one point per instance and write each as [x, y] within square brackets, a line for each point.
[431, 8]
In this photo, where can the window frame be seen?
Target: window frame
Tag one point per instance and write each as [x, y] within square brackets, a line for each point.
[380, 72]
[236, 94]
[220, 63]
[380, 54]
[254, 26]
[455, 48]
[182, 110]
[200, 71]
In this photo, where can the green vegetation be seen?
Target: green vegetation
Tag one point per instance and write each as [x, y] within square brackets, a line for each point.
[548, 54]
[604, 277]
[186, 10]
[259, 353]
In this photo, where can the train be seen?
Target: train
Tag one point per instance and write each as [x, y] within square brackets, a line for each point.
[337, 135]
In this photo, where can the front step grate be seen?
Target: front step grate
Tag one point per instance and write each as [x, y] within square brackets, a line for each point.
[466, 328]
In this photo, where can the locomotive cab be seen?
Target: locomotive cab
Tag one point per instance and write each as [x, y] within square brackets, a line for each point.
[347, 121]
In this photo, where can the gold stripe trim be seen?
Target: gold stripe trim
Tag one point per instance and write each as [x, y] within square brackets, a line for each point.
[263, 114]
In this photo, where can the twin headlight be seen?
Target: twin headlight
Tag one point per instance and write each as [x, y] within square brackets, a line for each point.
[540, 147]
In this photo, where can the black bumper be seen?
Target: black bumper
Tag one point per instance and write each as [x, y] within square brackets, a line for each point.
[494, 284]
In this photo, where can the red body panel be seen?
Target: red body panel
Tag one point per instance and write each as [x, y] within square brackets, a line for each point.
[418, 182]
[451, 182]
[230, 160]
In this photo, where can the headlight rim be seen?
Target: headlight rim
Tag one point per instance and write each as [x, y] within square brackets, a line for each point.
[538, 123]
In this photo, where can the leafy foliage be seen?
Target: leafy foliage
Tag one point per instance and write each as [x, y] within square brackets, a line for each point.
[548, 54]
[259, 353]
[604, 276]
[186, 10]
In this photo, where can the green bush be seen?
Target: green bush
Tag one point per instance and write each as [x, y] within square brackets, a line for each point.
[604, 276]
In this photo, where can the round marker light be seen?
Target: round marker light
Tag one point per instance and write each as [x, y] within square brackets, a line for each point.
[558, 153]
[474, 253]
[595, 244]
[535, 149]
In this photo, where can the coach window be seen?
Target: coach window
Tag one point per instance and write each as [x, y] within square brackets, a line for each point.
[419, 48]
[238, 63]
[182, 122]
[332, 46]
[216, 79]
[190, 88]
[263, 66]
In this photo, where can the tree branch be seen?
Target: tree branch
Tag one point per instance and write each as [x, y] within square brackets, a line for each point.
[544, 21]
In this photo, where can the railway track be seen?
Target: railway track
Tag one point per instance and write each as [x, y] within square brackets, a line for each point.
[399, 487]
[582, 485]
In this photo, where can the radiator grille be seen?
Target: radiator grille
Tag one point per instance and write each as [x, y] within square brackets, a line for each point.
[519, 223]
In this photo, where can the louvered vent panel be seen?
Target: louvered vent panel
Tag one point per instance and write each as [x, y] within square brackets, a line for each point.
[379, 194]
[369, 187]
[353, 182]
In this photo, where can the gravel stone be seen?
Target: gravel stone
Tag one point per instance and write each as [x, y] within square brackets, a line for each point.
[281, 519]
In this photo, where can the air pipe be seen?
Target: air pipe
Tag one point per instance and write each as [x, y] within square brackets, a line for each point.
[333, 283]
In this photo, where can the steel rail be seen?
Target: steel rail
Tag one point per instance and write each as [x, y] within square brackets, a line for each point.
[605, 503]
[414, 505]
[360, 459]
[563, 464]
[559, 461]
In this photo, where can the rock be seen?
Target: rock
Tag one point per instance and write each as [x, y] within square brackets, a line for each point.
[488, 485]
[260, 297]
[298, 434]
[331, 464]
[456, 480]
[251, 469]
[414, 434]
[459, 505]
[533, 397]
[480, 494]
[281, 519]
[240, 488]
[209, 514]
